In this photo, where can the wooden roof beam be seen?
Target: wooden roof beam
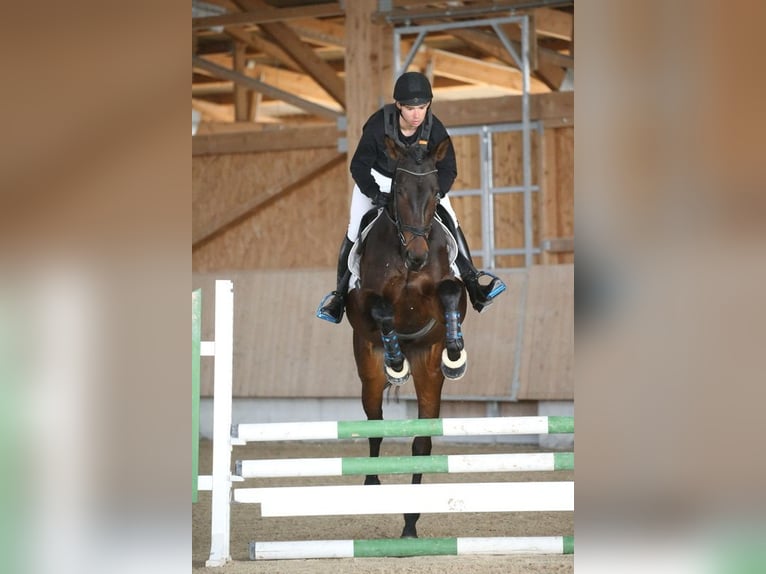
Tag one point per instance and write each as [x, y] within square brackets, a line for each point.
[268, 14]
[260, 44]
[265, 89]
[545, 56]
[471, 70]
[282, 35]
[322, 32]
[298, 84]
[549, 73]
[554, 23]
[553, 109]
[213, 112]
[488, 7]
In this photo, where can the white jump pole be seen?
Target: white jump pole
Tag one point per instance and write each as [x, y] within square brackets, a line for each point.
[403, 498]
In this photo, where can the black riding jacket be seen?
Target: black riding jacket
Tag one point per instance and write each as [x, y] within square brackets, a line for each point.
[371, 153]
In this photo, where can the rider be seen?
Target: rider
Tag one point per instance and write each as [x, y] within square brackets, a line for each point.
[408, 121]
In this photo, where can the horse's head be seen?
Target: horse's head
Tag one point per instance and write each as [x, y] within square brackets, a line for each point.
[415, 190]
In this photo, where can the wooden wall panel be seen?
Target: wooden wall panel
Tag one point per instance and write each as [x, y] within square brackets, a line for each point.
[468, 156]
[547, 366]
[490, 341]
[282, 350]
[301, 229]
[558, 190]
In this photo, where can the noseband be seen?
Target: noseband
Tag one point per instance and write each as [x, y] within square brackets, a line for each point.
[402, 227]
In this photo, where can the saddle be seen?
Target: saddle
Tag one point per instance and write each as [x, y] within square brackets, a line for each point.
[354, 258]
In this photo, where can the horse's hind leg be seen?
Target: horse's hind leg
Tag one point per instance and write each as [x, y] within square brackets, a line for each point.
[428, 386]
[421, 446]
[454, 357]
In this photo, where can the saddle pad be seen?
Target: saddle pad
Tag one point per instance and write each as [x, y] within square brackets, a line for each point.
[354, 258]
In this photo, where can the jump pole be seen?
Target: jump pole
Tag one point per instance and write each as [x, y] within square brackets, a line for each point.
[331, 430]
[300, 467]
[301, 550]
[408, 498]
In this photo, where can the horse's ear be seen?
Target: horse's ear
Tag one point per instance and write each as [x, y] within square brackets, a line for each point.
[392, 149]
[441, 149]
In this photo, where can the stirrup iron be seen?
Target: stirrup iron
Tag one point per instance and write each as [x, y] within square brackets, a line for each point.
[324, 313]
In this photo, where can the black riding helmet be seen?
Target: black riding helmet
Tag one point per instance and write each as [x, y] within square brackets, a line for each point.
[413, 89]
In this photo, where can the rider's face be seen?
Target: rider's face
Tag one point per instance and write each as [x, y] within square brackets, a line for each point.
[413, 116]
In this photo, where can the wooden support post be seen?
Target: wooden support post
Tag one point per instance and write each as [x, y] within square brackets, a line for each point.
[369, 68]
[240, 92]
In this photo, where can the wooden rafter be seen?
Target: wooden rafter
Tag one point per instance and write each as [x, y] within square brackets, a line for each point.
[265, 89]
[491, 45]
[553, 23]
[295, 64]
[407, 11]
[260, 44]
[296, 83]
[553, 108]
[471, 70]
[265, 15]
[320, 31]
[282, 35]
[211, 111]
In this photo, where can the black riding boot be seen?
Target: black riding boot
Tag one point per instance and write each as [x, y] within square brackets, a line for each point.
[332, 306]
[482, 296]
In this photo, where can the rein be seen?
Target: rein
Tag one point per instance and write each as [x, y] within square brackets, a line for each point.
[401, 227]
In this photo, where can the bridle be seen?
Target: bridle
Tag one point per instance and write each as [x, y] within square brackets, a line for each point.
[402, 227]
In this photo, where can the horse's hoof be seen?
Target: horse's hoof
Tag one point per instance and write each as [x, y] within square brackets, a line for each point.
[454, 370]
[409, 534]
[398, 377]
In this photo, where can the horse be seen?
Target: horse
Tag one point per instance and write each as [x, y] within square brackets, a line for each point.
[407, 306]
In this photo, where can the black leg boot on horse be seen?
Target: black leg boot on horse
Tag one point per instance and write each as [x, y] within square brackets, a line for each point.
[332, 306]
[482, 296]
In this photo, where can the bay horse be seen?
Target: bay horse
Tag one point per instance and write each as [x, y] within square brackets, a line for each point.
[407, 307]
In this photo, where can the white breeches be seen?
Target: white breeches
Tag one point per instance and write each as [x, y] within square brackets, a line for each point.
[361, 204]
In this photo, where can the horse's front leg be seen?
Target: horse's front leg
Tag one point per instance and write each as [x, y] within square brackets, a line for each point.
[397, 367]
[454, 357]
[370, 372]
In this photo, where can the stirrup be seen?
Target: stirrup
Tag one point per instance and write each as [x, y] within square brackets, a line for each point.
[482, 296]
[325, 310]
[495, 286]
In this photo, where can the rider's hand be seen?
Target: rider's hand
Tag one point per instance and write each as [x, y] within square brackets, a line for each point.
[381, 199]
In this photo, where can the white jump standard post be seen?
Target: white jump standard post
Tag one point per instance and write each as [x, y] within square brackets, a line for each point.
[222, 479]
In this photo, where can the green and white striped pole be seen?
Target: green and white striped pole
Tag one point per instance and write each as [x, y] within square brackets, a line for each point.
[301, 550]
[299, 467]
[331, 430]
